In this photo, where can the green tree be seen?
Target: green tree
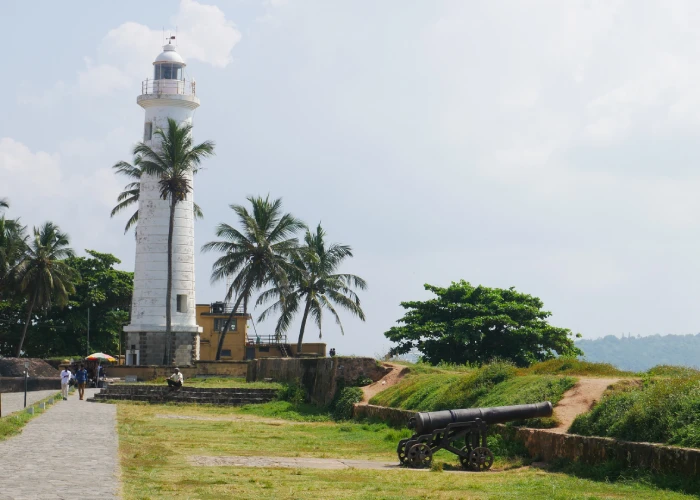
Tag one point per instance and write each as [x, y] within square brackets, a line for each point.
[257, 255]
[467, 324]
[43, 276]
[104, 291]
[174, 162]
[13, 242]
[316, 284]
[130, 195]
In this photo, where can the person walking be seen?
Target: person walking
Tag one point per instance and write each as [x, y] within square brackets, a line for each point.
[81, 377]
[176, 379]
[66, 375]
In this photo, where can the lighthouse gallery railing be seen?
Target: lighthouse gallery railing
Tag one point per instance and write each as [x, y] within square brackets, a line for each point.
[175, 87]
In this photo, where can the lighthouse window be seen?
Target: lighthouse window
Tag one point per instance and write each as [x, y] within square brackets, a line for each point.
[168, 71]
[148, 131]
[182, 303]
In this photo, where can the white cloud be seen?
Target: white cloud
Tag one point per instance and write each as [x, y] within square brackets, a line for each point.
[125, 54]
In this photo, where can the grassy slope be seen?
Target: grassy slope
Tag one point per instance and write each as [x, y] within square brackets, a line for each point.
[154, 453]
[497, 384]
[659, 410]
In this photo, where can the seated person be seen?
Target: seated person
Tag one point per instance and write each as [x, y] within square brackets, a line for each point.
[176, 379]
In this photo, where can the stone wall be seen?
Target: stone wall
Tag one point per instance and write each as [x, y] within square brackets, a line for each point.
[151, 347]
[391, 416]
[16, 384]
[210, 368]
[320, 376]
[546, 445]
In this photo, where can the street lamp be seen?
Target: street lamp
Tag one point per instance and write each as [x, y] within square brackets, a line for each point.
[26, 376]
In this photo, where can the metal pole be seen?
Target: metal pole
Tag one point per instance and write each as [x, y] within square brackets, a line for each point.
[88, 334]
[26, 376]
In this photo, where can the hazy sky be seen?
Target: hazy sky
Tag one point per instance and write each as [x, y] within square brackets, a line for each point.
[546, 145]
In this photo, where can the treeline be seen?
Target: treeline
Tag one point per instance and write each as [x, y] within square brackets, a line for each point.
[642, 353]
[49, 297]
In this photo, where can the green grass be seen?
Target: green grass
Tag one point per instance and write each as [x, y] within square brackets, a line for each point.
[154, 455]
[496, 384]
[659, 410]
[12, 425]
[567, 366]
[220, 382]
[672, 371]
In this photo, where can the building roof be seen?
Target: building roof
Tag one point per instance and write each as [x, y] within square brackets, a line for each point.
[170, 55]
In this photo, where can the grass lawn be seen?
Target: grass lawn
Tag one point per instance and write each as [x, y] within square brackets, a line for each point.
[155, 442]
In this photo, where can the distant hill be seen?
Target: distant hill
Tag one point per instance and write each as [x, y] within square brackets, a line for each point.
[641, 353]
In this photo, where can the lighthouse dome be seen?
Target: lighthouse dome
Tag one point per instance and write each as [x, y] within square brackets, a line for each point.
[169, 55]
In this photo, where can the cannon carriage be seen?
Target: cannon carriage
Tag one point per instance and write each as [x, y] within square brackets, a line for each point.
[448, 429]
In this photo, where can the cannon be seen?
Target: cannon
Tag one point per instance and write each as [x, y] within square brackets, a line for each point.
[445, 430]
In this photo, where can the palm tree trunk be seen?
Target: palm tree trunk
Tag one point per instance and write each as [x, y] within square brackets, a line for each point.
[226, 327]
[303, 325]
[169, 289]
[26, 323]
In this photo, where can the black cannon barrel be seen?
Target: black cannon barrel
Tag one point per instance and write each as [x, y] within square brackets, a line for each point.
[428, 421]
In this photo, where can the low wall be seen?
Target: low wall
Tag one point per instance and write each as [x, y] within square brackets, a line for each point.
[391, 416]
[546, 445]
[320, 376]
[211, 368]
[16, 384]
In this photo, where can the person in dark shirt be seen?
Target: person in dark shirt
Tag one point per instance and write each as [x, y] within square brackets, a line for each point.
[81, 377]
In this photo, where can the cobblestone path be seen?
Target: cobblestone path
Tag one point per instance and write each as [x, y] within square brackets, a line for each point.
[14, 401]
[68, 452]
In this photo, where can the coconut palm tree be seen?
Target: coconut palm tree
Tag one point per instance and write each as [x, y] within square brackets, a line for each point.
[257, 255]
[43, 275]
[13, 242]
[130, 195]
[174, 162]
[316, 285]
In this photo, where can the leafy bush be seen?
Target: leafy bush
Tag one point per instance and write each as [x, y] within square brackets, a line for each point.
[362, 381]
[672, 371]
[659, 410]
[292, 392]
[341, 408]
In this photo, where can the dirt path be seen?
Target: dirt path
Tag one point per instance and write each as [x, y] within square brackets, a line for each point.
[579, 399]
[397, 372]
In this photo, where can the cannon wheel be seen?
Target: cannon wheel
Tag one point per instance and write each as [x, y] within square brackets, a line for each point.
[464, 460]
[420, 455]
[481, 459]
[401, 451]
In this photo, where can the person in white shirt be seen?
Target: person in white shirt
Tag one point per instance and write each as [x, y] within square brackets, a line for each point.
[66, 375]
[176, 379]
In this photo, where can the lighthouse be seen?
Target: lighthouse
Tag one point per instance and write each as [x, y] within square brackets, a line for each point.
[168, 94]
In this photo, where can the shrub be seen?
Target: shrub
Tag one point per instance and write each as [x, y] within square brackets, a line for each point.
[293, 392]
[341, 408]
[362, 380]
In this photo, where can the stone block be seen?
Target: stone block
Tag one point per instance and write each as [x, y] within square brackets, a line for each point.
[30, 410]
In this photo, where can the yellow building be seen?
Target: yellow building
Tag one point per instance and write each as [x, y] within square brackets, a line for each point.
[238, 345]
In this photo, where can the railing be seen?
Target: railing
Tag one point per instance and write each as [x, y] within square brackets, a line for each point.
[224, 308]
[173, 87]
[266, 339]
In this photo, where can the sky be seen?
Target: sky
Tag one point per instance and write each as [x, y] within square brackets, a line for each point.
[546, 145]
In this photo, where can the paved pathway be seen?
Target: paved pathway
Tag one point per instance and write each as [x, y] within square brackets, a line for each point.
[68, 452]
[14, 401]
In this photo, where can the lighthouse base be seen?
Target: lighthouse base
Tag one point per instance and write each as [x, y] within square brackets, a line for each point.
[180, 348]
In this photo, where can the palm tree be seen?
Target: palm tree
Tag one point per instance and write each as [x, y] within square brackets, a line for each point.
[130, 195]
[13, 241]
[257, 255]
[174, 161]
[4, 203]
[43, 275]
[316, 285]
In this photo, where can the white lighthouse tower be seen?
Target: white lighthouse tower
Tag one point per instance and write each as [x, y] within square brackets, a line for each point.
[167, 95]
